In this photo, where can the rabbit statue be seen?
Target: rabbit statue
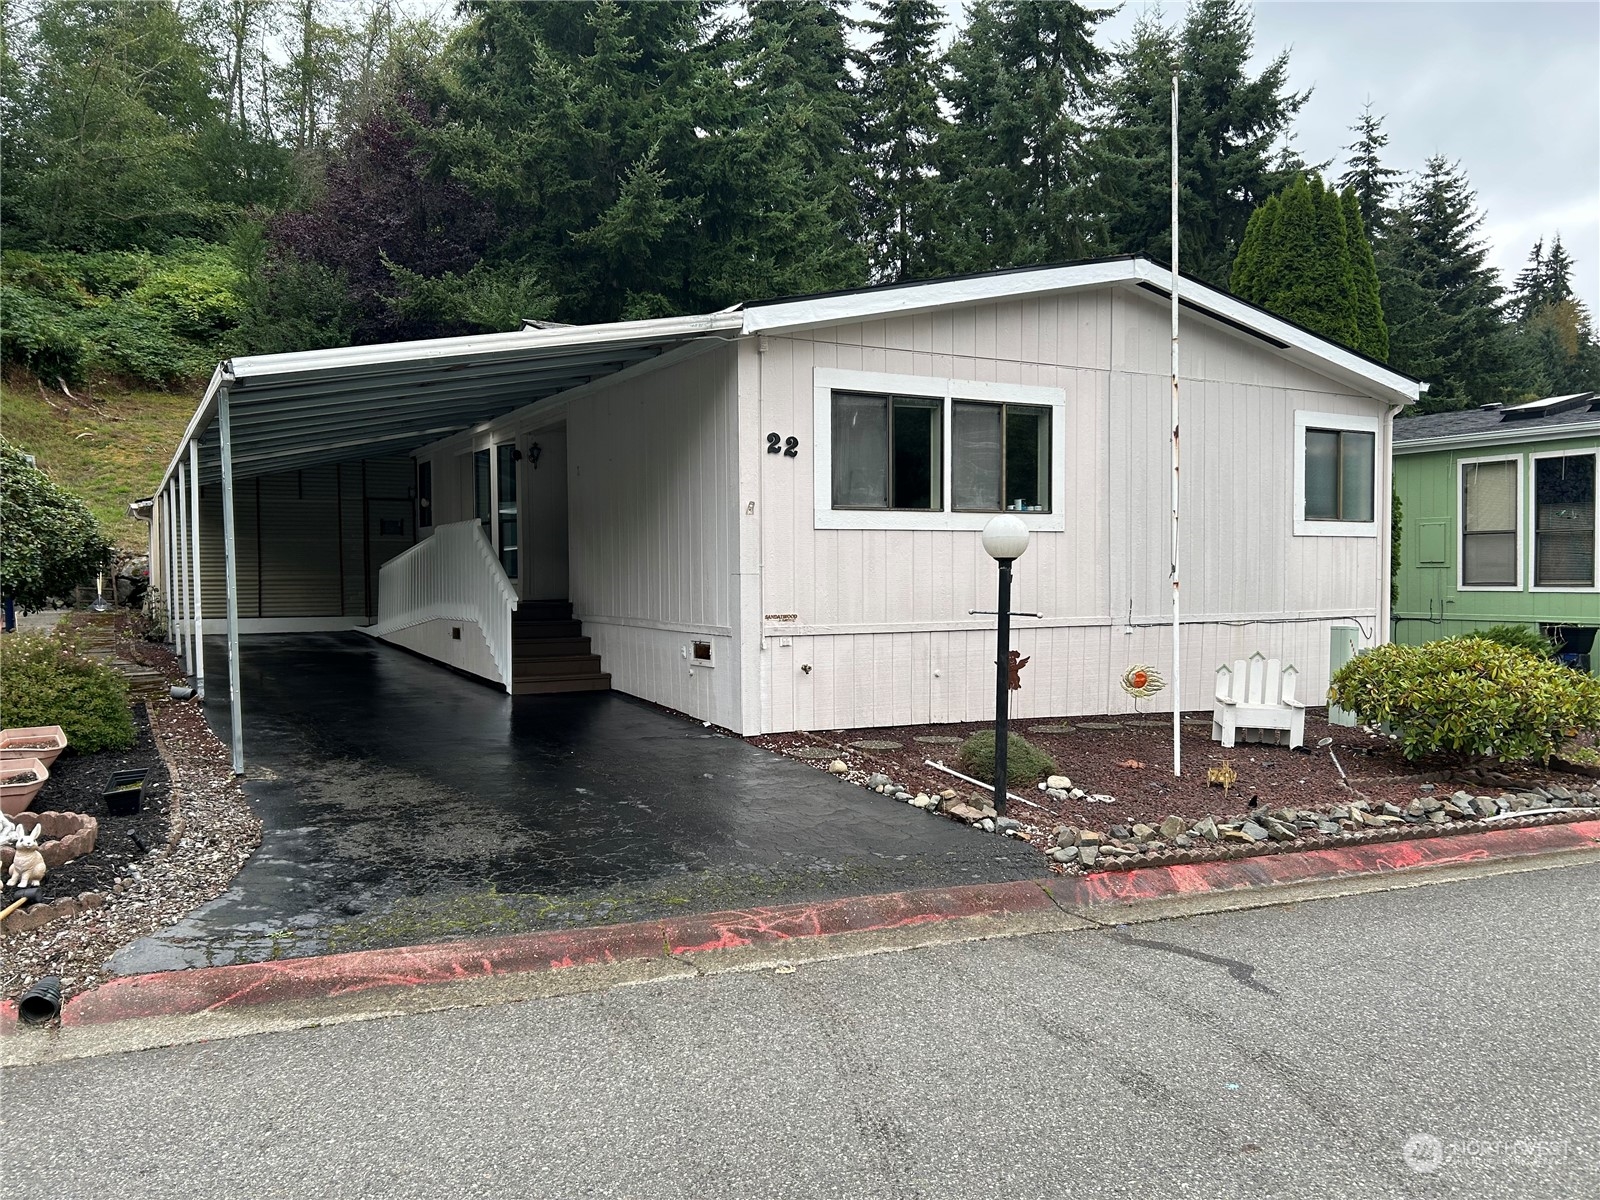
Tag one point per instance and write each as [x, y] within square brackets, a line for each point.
[27, 867]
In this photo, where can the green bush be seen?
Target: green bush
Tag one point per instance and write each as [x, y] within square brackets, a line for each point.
[1025, 762]
[46, 680]
[49, 540]
[1469, 696]
[1518, 637]
[38, 333]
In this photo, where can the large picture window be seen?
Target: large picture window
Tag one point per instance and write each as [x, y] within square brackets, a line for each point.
[1563, 521]
[887, 451]
[1489, 523]
[1000, 457]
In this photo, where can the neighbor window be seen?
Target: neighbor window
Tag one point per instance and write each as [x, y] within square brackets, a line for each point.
[1489, 523]
[1563, 521]
[506, 510]
[999, 457]
[887, 451]
[1339, 474]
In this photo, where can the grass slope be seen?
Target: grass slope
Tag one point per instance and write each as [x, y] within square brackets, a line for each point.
[109, 448]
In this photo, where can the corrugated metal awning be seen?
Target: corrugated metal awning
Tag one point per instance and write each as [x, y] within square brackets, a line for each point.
[290, 411]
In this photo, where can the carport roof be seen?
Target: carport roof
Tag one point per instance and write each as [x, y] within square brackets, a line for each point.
[291, 411]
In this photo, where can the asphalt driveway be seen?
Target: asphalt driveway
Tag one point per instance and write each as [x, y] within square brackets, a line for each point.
[405, 804]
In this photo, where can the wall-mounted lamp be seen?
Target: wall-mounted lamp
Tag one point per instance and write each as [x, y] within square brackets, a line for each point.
[534, 451]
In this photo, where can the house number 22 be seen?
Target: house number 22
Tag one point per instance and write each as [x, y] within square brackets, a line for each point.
[788, 447]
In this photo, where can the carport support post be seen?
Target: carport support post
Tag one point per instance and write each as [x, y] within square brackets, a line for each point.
[182, 507]
[230, 557]
[169, 543]
[197, 611]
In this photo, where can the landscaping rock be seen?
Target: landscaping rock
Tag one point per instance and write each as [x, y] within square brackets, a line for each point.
[875, 744]
[877, 780]
[1064, 854]
[1059, 782]
[1206, 827]
[1173, 826]
[1142, 833]
[837, 767]
[1088, 855]
[1253, 832]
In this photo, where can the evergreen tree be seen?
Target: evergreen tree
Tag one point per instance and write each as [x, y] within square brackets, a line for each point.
[1442, 299]
[1228, 125]
[1554, 335]
[1021, 76]
[1372, 332]
[1546, 279]
[901, 197]
[1365, 174]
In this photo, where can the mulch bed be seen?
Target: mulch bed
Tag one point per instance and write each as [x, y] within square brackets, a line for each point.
[195, 831]
[76, 784]
[1098, 754]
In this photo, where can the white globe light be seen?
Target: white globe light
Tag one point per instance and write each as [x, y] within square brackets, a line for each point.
[1005, 536]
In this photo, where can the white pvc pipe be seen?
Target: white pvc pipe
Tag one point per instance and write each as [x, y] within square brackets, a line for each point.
[989, 787]
[1177, 656]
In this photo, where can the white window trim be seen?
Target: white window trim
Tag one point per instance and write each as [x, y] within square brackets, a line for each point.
[1340, 421]
[1533, 513]
[827, 379]
[1461, 524]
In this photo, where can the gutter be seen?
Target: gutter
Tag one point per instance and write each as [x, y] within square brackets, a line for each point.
[1523, 431]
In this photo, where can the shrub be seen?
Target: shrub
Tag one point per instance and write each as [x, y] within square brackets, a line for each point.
[39, 334]
[49, 540]
[46, 680]
[1518, 637]
[1025, 762]
[1469, 696]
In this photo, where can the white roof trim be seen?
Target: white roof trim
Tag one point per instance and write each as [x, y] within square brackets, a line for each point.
[1520, 431]
[1302, 346]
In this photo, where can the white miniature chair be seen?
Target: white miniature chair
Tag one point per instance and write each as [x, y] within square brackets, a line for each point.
[1255, 697]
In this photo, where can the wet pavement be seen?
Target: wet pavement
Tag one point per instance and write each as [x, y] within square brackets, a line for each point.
[406, 804]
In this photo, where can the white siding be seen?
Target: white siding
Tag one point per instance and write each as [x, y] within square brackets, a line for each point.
[884, 619]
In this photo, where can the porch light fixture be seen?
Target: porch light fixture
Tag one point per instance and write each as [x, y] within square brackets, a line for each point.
[1005, 538]
[534, 450]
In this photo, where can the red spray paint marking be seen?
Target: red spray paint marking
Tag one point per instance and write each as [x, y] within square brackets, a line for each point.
[175, 993]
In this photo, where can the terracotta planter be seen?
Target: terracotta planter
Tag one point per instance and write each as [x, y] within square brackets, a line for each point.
[44, 742]
[15, 797]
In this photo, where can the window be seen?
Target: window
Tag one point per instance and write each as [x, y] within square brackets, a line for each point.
[1339, 474]
[424, 494]
[886, 451]
[914, 452]
[1489, 534]
[481, 498]
[506, 505]
[1336, 475]
[1000, 457]
[1563, 521]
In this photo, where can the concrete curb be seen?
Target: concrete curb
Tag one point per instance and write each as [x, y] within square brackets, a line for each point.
[681, 943]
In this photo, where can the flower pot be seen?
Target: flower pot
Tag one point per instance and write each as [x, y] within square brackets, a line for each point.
[15, 797]
[44, 742]
[124, 794]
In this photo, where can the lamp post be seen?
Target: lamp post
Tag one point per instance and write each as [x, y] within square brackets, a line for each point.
[1005, 538]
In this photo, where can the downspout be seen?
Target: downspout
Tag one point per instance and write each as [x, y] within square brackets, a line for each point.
[1383, 630]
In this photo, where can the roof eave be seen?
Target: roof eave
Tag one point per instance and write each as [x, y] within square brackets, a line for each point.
[1522, 431]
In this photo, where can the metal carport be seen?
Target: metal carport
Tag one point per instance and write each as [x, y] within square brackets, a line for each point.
[279, 412]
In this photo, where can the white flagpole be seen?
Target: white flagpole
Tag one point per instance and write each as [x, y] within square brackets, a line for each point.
[1177, 657]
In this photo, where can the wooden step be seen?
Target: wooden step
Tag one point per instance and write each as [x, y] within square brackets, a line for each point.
[543, 610]
[558, 683]
[527, 648]
[546, 668]
[525, 631]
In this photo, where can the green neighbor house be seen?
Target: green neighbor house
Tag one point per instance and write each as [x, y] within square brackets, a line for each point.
[1498, 522]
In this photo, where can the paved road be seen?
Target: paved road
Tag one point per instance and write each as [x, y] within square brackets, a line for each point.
[1287, 1052]
[405, 804]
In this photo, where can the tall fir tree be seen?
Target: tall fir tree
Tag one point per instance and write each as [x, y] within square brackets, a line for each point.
[901, 196]
[1442, 299]
[1365, 174]
[1372, 331]
[1020, 79]
[1229, 123]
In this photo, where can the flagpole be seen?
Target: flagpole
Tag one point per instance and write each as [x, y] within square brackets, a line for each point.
[1177, 657]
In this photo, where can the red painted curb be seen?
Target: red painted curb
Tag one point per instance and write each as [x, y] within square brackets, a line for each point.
[177, 993]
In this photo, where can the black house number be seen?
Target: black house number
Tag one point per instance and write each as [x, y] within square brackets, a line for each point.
[788, 447]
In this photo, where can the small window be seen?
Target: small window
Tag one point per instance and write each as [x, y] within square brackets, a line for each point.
[702, 652]
[887, 451]
[1000, 457]
[482, 501]
[1339, 474]
[1563, 521]
[506, 511]
[424, 494]
[1489, 524]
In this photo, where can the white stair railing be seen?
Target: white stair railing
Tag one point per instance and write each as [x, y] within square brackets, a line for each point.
[451, 576]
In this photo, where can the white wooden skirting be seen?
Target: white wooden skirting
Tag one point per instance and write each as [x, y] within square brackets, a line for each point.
[451, 576]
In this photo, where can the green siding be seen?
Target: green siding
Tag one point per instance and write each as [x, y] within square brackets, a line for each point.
[1430, 605]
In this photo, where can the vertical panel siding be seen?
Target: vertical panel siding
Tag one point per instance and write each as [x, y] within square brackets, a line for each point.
[883, 619]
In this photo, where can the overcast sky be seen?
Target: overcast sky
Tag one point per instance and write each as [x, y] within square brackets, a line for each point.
[1510, 89]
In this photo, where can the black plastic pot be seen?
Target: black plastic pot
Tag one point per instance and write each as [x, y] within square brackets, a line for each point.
[41, 1002]
[124, 794]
